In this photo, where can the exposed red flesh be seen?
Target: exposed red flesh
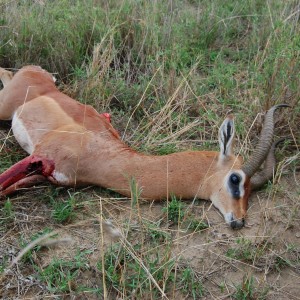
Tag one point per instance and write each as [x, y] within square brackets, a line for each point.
[23, 183]
[26, 168]
[107, 116]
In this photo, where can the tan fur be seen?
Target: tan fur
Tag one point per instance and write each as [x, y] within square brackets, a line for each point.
[87, 149]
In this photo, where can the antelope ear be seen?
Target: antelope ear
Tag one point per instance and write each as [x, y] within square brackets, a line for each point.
[226, 133]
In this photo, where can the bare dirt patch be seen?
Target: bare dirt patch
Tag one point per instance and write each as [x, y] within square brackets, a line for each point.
[266, 252]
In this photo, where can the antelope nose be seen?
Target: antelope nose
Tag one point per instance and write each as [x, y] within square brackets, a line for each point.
[237, 224]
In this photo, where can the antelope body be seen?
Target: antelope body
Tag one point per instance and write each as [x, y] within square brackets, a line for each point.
[71, 144]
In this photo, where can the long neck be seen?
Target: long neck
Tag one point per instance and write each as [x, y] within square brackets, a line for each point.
[182, 174]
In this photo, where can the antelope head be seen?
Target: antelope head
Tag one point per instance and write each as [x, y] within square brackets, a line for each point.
[233, 180]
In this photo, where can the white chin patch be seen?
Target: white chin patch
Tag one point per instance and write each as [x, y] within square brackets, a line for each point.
[228, 217]
[54, 79]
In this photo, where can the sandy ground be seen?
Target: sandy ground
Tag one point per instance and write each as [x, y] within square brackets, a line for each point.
[272, 224]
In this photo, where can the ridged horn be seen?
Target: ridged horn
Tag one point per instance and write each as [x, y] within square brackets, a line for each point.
[264, 144]
[262, 177]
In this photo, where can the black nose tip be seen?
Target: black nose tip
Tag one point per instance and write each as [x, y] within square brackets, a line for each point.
[237, 224]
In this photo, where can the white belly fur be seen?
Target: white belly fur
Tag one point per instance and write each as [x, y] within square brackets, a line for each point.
[21, 134]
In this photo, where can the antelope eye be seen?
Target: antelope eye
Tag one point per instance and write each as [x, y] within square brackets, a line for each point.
[236, 193]
[235, 179]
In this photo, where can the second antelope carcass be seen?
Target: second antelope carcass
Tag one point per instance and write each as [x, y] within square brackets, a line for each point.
[70, 144]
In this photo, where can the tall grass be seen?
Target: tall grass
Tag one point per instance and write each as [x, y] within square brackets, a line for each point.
[169, 72]
[174, 67]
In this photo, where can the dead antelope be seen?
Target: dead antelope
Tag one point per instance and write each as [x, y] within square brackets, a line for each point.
[71, 144]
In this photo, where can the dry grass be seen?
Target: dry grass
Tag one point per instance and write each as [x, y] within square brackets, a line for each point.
[169, 74]
[266, 250]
